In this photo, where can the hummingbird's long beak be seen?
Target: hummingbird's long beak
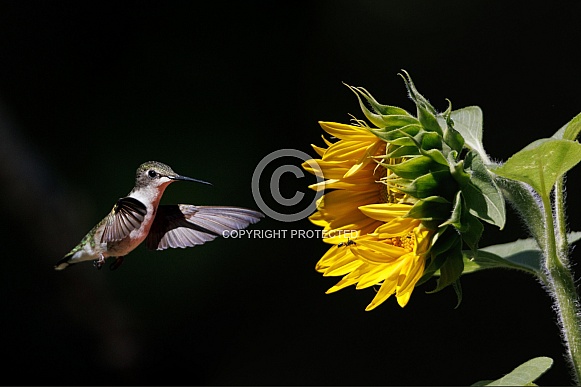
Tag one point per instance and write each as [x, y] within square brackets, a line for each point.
[185, 178]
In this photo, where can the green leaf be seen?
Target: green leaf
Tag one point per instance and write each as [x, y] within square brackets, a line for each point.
[573, 128]
[523, 375]
[468, 122]
[541, 163]
[522, 254]
[487, 260]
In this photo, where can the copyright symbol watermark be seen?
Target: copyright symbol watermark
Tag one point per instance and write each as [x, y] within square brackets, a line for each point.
[275, 179]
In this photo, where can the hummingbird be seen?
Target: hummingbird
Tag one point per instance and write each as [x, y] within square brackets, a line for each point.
[139, 217]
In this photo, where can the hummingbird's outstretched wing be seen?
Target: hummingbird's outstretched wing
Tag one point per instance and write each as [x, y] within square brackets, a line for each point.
[184, 225]
[126, 216]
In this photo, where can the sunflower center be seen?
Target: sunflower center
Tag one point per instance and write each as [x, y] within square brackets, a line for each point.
[406, 242]
[388, 193]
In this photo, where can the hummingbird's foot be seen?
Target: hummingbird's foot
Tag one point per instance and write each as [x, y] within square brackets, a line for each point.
[116, 264]
[99, 262]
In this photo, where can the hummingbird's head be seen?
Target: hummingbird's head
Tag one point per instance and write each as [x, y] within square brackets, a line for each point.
[158, 175]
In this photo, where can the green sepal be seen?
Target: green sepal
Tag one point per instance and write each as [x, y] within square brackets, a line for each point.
[467, 225]
[451, 268]
[430, 208]
[382, 115]
[458, 290]
[473, 232]
[436, 155]
[392, 134]
[455, 218]
[433, 269]
[427, 143]
[429, 140]
[493, 209]
[444, 239]
[439, 183]
[379, 108]
[451, 136]
[483, 197]
[403, 151]
[416, 167]
[398, 121]
[426, 112]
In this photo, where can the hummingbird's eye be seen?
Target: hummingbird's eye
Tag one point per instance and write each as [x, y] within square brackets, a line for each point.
[152, 173]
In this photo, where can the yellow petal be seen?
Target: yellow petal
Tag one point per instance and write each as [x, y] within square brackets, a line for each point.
[346, 151]
[348, 280]
[364, 225]
[352, 184]
[340, 203]
[402, 299]
[344, 265]
[423, 240]
[380, 249]
[317, 219]
[396, 227]
[385, 291]
[411, 275]
[320, 151]
[326, 169]
[328, 258]
[375, 274]
[385, 211]
[365, 158]
[347, 132]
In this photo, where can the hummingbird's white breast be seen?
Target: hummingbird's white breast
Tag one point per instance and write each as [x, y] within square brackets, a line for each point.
[150, 197]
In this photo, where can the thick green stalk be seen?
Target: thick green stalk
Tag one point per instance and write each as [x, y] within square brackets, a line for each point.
[556, 275]
[560, 219]
[527, 203]
[562, 288]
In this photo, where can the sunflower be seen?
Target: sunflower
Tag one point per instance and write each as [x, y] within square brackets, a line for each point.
[408, 195]
[390, 249]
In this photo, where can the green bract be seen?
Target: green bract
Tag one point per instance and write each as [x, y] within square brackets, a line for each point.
[443, 168]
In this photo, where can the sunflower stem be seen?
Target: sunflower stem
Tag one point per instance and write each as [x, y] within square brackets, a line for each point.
[562, 288]
[560, 219]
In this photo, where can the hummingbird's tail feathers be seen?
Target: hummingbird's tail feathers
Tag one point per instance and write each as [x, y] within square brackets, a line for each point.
[183, 225]
[63, 263]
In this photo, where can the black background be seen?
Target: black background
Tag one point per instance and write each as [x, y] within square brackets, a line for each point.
[89, 90]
